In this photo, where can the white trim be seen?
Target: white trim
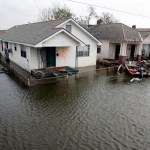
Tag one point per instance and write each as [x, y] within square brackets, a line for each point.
[17, 43]
[62, 30]
[99, 42]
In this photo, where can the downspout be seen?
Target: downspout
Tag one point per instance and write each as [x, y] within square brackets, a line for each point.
[76, 58]
[38, 58]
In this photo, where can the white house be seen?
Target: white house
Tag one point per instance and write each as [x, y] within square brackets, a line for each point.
[119, 42]
[145, 33]
[50, 43]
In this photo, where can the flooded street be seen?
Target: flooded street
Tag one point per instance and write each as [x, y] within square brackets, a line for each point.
[94, 112]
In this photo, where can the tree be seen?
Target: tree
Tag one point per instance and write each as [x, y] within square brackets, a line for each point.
[106, 18]
[45, 14]
[62, 12]
[85, 21]
[81, 20]
[56, 12]
[92, 14]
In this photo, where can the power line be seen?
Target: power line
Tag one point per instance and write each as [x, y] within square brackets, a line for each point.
[139, 15]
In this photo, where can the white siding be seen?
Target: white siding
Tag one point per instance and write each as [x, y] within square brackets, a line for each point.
[34, 63]
[112, 50]
[66, 56]
[84, 61]
[60, 40]
[104, 50]
[146, 48]
[15, 56]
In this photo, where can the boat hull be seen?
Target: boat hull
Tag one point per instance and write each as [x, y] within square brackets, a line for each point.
[136, 74]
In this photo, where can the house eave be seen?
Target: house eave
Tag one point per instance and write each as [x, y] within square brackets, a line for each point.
[62, 30]
[98, 42]
[21, 43]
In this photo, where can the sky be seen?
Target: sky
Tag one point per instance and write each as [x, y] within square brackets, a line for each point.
[16, 12]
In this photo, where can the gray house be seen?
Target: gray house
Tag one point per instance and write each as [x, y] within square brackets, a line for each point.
[119, 41]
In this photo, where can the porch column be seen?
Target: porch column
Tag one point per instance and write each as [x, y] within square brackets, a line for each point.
[123, 53]
[139, 52]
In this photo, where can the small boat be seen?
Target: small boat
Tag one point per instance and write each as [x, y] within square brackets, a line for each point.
[136, 70]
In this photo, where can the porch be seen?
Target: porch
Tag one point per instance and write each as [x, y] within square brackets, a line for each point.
[26, 77]
[55, 57]
[125, 51]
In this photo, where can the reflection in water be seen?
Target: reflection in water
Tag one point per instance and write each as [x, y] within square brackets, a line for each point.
[95, 111]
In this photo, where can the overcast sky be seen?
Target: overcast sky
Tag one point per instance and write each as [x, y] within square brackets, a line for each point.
[15, 12]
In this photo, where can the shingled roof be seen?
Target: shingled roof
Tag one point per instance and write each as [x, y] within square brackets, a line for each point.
[145, 32]
[2, 32]
[115, 32]
[32, 33]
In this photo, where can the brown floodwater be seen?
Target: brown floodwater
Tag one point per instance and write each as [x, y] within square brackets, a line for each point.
[98, 111]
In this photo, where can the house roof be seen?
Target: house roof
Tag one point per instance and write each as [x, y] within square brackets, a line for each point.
[115, 32]
[32, 33]
[145, 32]
[2, 32]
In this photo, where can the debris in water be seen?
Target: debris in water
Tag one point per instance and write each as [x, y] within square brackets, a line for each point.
[135, 79]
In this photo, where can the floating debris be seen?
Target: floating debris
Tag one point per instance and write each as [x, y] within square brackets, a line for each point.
[135, 79]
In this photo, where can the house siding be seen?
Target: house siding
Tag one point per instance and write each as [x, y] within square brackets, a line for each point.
[60, 40]
[15, 56]
[146, 46]
[34, 63]
[112, 50]
[91, 59]
[66, 56]
[104, 50]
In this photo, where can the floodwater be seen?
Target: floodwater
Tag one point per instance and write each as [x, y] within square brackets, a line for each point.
[95, 112]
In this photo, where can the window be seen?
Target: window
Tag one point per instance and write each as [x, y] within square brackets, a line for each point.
[10, 48]
[83, 51]
[2, 45]
[23, 51]
[99, 49]
[68, 28]
[6, 45]
[15, 47]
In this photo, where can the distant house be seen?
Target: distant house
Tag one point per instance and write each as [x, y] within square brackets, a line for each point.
[119, 41]
[51, 43]
[145, 33]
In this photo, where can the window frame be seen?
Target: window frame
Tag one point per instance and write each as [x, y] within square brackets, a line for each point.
[6, 45]
[15, 46]
[83, 51]
[23, 51]
[70, 28]
[99, 49]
